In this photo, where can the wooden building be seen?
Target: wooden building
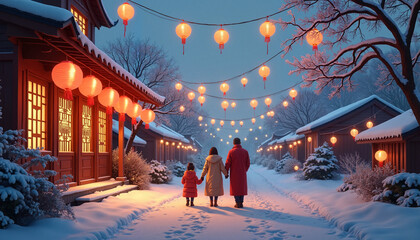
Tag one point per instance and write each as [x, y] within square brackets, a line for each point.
[138, 143]
[399, 137]
[340, 122]
[34, 37]
[164, 144]
[292, 143]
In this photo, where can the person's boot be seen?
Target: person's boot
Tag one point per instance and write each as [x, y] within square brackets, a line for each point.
[211, 202]
[192, 204]
[241, 205]
[236, 205]
[215, 203]
[188, 203]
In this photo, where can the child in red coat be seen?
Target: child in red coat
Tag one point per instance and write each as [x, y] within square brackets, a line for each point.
[190, 181]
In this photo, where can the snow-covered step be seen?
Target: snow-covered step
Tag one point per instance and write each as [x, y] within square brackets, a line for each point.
[98, 196]
[72, 193]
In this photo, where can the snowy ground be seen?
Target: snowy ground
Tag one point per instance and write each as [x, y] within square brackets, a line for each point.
[277, 207]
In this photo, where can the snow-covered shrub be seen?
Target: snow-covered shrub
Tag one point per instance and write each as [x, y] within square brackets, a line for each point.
[349, 162]
[159, 173]
[271, 163]
[321, 164]
[198, 159]
[136, 168]
[26, 196]
[287, 164]
[365, 181]
[402, 189]
[178, 169]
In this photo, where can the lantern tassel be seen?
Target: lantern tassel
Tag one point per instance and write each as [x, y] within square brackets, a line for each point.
[221, 47]
[133, 121]
[146, 126]
[68, 94]
[315, 47]
[90, 101]
[264, 83]
[122, 117]
[125, 22]
[109, 110]
[267, 40]
[183, 40]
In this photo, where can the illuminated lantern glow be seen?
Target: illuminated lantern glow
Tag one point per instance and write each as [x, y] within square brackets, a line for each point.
[354, 132]
[224, 87]
[125, 12]
[333, 140]
[222, 123]
[267, 102]
[244, 81]
[369, 124]
[200, 118]
[201, 90]
[314, 38]
[241, 123]
[236, 130]
[285, 104]
[264, 73]
[253, 120]
[296, 167]
[293, 93]
[213, 121]
[90, 88]
[260, 127]
[183, 30]
[68, 76]
[294, 143]
[221, 37]
[201, 100]
[268, 114]
[178, 86]
[299, 142]
[147, 116]
[181, 108]
[232, 123]
[309, 139]
[272, 113]
[108, 98]
[262, 116]
[290, 146]
[225, 105]
[135, 112]
[123, 106]
[253, 103]
[233, 105]
[267, 29]
[191, 96]
[381, 156]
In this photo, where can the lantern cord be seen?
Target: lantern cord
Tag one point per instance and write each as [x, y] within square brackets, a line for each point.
[175, 19]
[239, 75]
[224, 119]
[246, 99]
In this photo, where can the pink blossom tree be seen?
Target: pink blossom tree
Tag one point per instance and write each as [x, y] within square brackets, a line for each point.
[352, 29]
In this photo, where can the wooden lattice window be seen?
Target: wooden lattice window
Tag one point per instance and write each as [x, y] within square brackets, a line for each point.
[65, 125]
[87, 129]
[80, 19]
[102, 131]
[37, 119]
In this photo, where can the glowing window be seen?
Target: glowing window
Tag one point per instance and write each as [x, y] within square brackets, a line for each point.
[65, 125]
[80, 19]
[102, 131]
[37, 110]
[87, 129]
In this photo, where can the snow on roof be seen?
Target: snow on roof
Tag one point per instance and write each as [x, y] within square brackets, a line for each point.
[272, 142]
[29, 7]
[127, 133]
[343, 111]
[290, 137]
[393, 128]
[196, 141]
[167, 132]
[266, 142]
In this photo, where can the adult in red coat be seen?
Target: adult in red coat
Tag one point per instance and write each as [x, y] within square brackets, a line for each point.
[237, 162]
[190, 181]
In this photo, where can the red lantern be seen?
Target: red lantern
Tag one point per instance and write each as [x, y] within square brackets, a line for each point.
[241, 123]
[126, 12]
[224, 87]
[225, 105]
[267, 29]
[201, 90]
[191, 96]
[244, 81]
[201, 100]
[253, 103]
[183, 31]
[293, 93]
[221, 36]
[108, 98]
[135, 112]
[123, 106]
[90, 87]
[264, 72]
[267, 102]
[68, 76]
[314, 38]
[178, 86]
[147, 116]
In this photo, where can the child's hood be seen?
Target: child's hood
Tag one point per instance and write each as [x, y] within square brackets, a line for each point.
[189, 174]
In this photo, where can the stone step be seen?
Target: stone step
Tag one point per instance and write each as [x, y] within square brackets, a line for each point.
[72, 193]
[100, 195]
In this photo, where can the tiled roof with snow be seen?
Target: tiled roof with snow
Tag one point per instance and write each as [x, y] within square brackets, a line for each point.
[343, 111]
[290, 137]
[196, 141]
[393, 128]
[127, 133]
[167, 132]
[266, 142]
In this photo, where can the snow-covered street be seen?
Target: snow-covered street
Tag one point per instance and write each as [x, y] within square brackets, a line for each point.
[268, 214]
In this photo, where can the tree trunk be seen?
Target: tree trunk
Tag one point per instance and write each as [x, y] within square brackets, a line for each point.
[413, 101]
[134, 130]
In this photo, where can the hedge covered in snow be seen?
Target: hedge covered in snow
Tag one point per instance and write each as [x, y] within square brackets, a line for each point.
[159, 173]
[402, 189]
[287, 164]
[321, 164]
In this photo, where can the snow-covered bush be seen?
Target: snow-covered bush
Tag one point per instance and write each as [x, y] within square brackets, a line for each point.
[26, 196]
[136, 168]
[365, 181]
[348, 163]
[178, 169]
[271, 163]
[287, 164]
[402, 189]
[198, 159]
[159, 173]
[321, 164]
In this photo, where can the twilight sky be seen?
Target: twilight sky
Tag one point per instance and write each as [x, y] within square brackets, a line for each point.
[202, 61]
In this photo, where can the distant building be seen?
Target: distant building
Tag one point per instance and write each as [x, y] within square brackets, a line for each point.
[292, 143]
[399, 137]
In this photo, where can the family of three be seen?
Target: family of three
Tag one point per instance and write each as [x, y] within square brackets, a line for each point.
[236, 166]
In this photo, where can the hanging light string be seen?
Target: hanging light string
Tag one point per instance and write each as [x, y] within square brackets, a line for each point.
[176, 19]
[227, 121]
[247, 99]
